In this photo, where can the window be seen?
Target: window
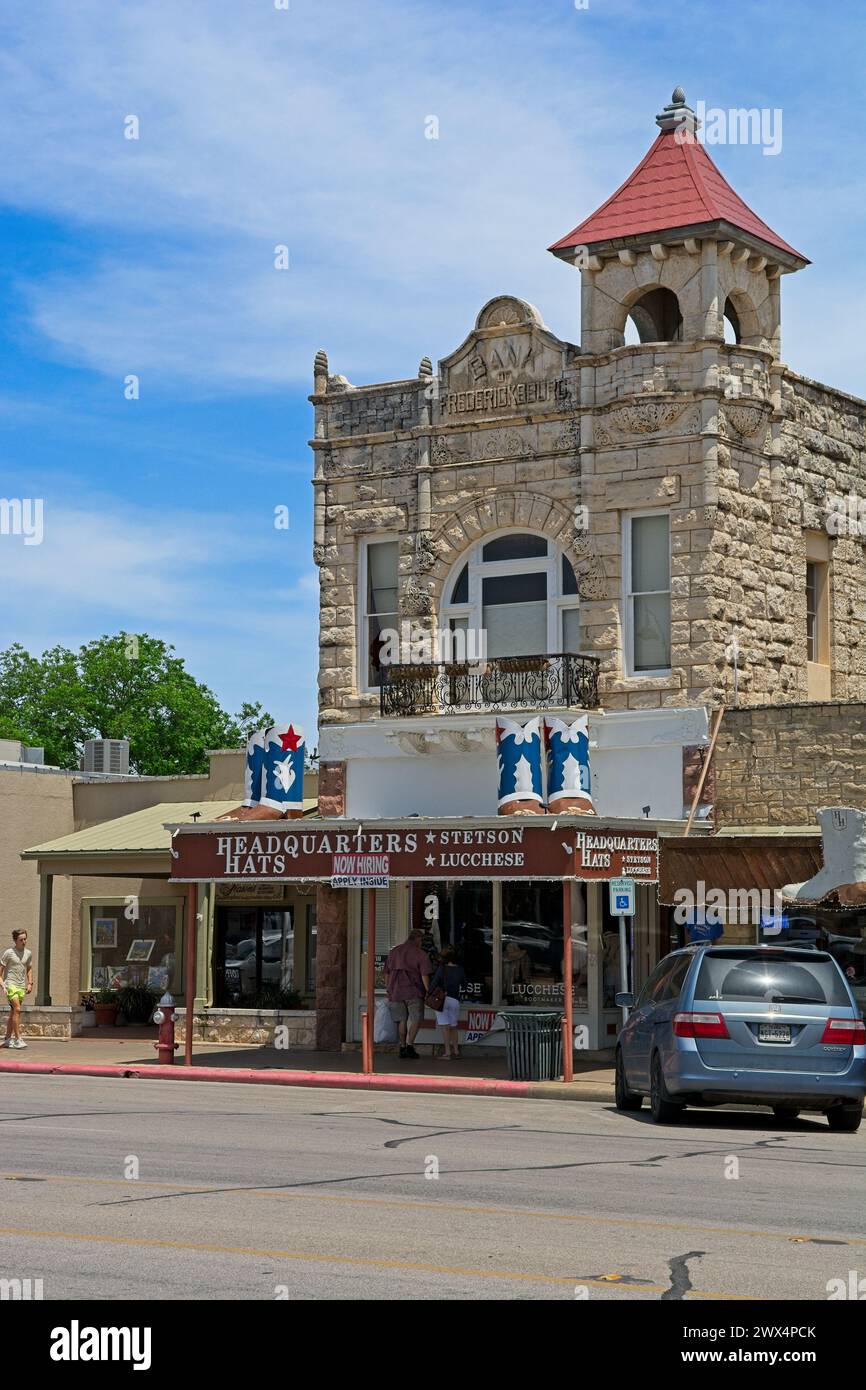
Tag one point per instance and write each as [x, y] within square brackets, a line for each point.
[648, 594]
[674, 982]
[521, 590]
[378, 585]
[253, 956]
[655, 318]
[464, 921]
[811, 611]
[531, 946]
[817, 633]
[138, 950]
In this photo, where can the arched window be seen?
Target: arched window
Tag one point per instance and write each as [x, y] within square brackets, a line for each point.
[733, 332]
[655, 317]
[521, 590]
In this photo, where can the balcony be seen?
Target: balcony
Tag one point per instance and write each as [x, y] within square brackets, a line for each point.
[564, 681]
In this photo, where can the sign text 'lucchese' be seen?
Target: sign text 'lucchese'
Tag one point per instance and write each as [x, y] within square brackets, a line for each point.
[503, 851]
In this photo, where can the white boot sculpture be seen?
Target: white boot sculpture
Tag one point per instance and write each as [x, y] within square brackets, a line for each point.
[843, 832]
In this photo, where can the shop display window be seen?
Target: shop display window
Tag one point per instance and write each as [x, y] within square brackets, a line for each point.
[134, 943]
[459, 914]
[531, 946]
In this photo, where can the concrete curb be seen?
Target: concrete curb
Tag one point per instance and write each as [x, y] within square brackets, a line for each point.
[327, 1080]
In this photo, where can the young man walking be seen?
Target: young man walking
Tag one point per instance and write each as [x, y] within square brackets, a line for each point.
[407, 980]
[16, 977]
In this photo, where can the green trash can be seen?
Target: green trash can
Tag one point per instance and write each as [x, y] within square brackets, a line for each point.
[533, 1044]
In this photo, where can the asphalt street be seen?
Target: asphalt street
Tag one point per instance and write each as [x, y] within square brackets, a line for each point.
[115, 1189]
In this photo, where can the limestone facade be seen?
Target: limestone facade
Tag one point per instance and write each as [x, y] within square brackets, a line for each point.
[521, 429]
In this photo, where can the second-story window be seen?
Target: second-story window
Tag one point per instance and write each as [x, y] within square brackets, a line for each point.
[379, 590]
[647, 546]
[520, 590]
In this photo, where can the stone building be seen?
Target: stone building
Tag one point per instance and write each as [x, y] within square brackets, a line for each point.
[694, 460]
[656, 522]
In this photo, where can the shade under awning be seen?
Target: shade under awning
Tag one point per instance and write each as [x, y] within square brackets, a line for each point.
[728, 862]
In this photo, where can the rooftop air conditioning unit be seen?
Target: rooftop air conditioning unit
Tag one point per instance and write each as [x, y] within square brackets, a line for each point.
[106, 755]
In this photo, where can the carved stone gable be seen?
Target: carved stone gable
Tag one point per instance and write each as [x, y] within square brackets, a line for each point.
[509, 365]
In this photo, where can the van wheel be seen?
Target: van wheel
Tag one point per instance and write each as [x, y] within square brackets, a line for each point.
[845, 1118]
[786, 1112]
[664, 1110]
[624, 1098]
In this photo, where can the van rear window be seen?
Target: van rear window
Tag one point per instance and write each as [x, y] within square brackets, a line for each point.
[769, 979]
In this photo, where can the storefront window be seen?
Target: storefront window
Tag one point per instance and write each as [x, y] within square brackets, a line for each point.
[459, 915]
[254, 952]
[136, 949]
[532, 946]
[842, 934]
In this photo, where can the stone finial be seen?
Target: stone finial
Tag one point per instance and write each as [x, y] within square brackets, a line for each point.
[320, 372]
[677, 115]
[426, 367]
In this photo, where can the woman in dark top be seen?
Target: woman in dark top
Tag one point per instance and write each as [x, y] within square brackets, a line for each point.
[452, 978]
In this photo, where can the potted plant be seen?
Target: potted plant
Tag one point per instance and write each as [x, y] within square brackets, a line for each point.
[136, 1003]
[272, 997]
[105, 1007]
[87, 1004]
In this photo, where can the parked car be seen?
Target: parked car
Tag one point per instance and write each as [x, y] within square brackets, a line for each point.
[240, 963]
[756, 1025]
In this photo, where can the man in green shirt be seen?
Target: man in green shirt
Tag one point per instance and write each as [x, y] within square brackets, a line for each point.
[16, 977]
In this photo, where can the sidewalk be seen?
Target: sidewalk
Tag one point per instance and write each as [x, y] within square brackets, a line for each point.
[131, 1052]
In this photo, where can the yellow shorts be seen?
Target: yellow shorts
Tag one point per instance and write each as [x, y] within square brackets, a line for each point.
[15, 992]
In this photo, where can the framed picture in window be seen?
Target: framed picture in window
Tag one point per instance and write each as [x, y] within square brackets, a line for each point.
[141, 949]
[157, 977]
[104, 933]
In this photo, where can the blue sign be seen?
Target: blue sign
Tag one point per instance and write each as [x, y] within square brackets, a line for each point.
[699, 929]
[622, 896]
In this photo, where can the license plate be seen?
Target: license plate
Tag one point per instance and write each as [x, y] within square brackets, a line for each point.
[774, 1032]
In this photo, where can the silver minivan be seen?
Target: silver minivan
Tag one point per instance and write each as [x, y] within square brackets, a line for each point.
[756, 1025]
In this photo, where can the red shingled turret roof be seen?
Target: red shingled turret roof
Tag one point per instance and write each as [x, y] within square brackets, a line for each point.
[676, 185]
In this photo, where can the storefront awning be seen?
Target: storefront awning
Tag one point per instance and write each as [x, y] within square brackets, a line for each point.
[142, 836]
[737, 862]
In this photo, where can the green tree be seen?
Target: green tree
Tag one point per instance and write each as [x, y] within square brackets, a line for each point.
[126, 686]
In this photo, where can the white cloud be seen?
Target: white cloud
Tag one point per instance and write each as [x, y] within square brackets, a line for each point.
[259, 128]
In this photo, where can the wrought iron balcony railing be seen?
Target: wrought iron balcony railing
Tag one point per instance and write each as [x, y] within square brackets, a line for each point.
[499, 683]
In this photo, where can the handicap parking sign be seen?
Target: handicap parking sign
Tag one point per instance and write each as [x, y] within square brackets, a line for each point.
[622, 897]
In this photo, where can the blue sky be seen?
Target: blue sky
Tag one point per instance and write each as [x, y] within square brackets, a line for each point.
[261, 126]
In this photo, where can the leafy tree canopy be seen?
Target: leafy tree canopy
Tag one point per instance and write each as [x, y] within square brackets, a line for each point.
[127, 686]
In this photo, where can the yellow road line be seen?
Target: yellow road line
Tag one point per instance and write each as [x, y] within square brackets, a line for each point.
[309, 1257]
[468, 1209]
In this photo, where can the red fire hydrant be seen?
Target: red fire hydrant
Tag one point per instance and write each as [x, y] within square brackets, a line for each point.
[165, 1044]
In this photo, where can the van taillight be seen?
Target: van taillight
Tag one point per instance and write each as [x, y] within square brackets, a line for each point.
[849, 1032]
[700, 1026]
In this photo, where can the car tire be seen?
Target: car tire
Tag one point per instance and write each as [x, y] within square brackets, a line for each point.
[664, 1110]
[623, 1097]
[786, 1112]
[845, 1119]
